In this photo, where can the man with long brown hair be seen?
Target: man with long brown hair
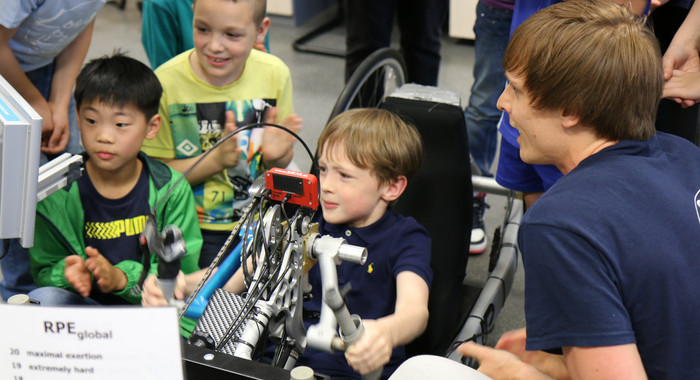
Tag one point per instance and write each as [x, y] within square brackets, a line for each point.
[610, 250]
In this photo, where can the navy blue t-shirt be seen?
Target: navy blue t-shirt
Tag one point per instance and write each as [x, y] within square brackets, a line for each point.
[611, 256]
[394, 244]
[112, 226]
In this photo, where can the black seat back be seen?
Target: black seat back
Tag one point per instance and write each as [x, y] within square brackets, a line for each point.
[439, 197]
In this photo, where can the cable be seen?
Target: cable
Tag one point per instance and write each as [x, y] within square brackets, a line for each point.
[472, 338]
[249, 224]
[247, 308]
[236, 229]
[215, 262]
[246, 222]
[268, 274]
[286, 217]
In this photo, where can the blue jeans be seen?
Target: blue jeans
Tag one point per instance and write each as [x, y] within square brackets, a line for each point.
[16, 276]
[52, 296]
[15, 266]
[492, 30]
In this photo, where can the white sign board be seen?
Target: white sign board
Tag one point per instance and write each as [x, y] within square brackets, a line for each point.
[131, 343]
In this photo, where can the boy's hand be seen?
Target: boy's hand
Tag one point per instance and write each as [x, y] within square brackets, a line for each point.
[109, 278]
[152, 294]
[277, 145]
[228, 152]
[372, 350]
[77, 275]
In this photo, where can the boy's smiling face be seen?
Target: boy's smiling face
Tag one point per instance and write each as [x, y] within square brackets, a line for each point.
[224, 34]
[112, 136]
[349, 194]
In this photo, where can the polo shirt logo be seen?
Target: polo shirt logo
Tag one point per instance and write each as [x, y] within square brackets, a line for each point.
[697, 205]
[370, 268]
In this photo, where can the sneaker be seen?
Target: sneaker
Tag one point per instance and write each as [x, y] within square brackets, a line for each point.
[478, 241]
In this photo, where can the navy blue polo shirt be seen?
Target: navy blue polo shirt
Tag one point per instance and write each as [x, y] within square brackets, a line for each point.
[394, 244]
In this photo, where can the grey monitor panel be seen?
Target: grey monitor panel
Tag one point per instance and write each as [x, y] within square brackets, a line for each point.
[20, 138]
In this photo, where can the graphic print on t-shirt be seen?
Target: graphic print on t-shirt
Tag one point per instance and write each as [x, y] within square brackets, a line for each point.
[196, 128]
[112, 226]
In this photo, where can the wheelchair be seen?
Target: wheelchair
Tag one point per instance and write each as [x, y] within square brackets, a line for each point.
[280, 239]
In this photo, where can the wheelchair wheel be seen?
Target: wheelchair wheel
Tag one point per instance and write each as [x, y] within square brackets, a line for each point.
[380, 74]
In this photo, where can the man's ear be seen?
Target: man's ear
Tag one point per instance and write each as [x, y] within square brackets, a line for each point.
[568, 121]
[153, 127]
[395, 188]
[262, 32]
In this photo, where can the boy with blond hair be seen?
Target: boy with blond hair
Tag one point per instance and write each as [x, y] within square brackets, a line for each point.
[366, 157]
[210, 90]
[87, 248]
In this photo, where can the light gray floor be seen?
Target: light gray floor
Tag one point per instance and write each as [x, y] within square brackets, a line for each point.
[318, 80]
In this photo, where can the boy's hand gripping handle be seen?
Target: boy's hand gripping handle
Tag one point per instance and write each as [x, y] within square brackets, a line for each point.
[169, 246]
[326, 249]
[351, 327]
[174, 249]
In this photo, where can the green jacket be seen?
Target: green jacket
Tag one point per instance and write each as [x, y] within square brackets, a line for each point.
[60, 229]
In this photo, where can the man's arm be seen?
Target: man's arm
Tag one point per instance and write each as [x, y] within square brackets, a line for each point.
[68, 63]
[409, 320]
[550, 364]
[13, 73]
[682, 53]
[589, 363]
[600, 363]
[501, 364]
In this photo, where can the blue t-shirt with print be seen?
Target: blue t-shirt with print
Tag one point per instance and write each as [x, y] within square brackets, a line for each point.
[113, 226]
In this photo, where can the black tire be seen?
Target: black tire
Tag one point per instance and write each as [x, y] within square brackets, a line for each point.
[378, 75]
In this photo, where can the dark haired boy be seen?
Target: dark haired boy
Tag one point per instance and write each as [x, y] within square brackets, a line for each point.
[86, 245]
